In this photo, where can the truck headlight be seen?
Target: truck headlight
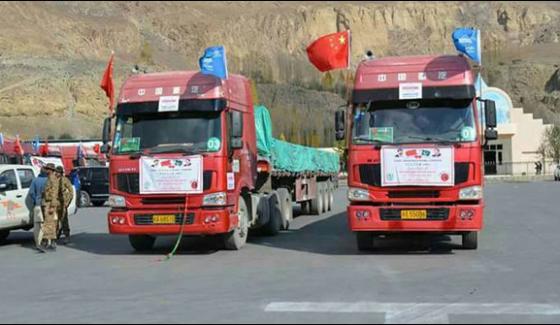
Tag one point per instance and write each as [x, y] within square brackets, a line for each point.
[358, 194]
[219, 198]
[471, 193]
[117, 201]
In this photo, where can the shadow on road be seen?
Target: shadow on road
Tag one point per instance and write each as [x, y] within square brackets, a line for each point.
[331, 236]
[106, 244]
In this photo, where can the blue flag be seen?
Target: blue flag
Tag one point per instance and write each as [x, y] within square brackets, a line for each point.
[214, 62]
[467, 41]
[36, 144]
[1, 139]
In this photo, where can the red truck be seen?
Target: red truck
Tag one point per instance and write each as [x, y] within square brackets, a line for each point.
[193, 125]
[415, 148]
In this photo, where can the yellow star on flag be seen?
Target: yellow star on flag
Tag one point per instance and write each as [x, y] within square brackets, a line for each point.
[342, 40]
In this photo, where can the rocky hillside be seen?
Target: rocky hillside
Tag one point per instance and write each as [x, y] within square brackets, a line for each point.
[52, 54]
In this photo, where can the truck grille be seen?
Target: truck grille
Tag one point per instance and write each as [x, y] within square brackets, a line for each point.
[130, 182]
[146, 219]
[414, 194]
[370, 174]
[433, 214]
[163, 200]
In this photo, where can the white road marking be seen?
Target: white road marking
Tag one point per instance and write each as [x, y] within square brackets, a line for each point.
[399, 313]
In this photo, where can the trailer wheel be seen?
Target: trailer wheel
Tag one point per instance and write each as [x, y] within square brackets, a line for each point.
[287, 209]
[142, 243]
[326, 207]
[273, 226]
[364, 241]
[4, 235]
[470, 240]
[317, 204]
[236, 239]
[331, 196]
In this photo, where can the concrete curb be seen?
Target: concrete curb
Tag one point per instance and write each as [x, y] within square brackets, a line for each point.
[518, 179]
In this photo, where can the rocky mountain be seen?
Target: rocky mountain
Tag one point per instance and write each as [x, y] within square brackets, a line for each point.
[52, 54]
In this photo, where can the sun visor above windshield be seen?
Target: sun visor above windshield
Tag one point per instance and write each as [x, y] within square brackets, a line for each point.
[392, 94]
[184, 105]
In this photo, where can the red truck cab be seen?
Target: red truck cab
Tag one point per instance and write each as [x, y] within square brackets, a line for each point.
[174, 115]
[415, 161]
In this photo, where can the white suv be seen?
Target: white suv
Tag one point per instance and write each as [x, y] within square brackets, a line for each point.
[557, 173]
[15, 204]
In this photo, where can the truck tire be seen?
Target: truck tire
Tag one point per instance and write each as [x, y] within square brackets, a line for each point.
[470, 240]
[331, 196]
[287, 208]
[364, 241]
[326, 207]
[85, 199]
[317, 204]
[142, 243]
[4, 235]
[236, 239]
[274, 225]
[305, 208]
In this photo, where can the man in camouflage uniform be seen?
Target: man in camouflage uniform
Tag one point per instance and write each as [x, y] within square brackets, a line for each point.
[66, 196]
[50, 203]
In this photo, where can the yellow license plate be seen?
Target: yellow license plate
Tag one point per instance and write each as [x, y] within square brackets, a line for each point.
[414, 214]
[163, 219]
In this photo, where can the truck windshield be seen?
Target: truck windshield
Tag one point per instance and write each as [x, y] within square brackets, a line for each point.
[414, 122]
[185, 132]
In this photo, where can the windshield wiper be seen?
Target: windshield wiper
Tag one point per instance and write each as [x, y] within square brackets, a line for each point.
[374, 141]
[179, 148]
[434, 140]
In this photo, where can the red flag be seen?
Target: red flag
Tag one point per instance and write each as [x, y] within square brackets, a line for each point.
[330, 52]
[18, 147]
[44, 149]
[107, 83]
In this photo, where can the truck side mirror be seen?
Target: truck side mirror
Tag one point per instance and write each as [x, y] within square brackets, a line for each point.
[3, 187]
[490, 114]
[236, 130]
[106, 131]
[339, 118]
[490, 134]
[105, 148]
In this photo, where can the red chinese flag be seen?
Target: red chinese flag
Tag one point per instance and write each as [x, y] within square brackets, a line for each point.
[330, 51]
[18, 147]
[107, 83]
[44, 149]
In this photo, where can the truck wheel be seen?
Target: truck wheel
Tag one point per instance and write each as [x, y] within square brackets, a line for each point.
[238, 237]
[142, 243]
[287, 209]
[470, 240]
[365, 241]
[317, 203]
[326, 206]
[305, 207]
[4, 235]
[331, 196]
[272, 228]
[85, 199]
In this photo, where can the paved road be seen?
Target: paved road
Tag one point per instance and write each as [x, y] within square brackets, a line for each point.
[312, 274]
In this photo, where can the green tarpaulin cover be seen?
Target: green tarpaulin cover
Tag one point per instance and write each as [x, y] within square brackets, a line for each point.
[290, 157]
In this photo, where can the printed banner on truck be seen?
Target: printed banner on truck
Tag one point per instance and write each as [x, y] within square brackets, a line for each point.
[39, 162]
[414, 166]
[171, 176]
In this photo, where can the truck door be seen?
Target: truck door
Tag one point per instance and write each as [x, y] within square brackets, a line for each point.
[13, 211]
[26, 177]
[99, 183]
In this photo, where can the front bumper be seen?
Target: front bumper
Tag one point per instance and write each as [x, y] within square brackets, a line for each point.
[227, 221]
[460, 218]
